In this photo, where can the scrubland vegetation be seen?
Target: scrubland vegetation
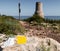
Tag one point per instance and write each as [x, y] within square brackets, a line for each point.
[38, 19]
[9, 25]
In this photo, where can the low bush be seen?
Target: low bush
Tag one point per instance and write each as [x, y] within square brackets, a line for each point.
[9, 25]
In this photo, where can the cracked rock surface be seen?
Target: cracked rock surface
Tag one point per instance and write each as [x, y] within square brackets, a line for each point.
[36, 44]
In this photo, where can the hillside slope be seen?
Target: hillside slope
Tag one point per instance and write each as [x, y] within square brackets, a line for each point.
[9, 25]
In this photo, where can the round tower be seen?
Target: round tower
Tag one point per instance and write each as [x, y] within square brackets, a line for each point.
[39, 9]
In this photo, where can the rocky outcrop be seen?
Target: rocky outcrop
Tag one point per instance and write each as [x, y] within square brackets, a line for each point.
[36, 44]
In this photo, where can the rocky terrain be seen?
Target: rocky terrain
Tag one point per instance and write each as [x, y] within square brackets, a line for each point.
[43, 30]
[35, 44]
[39, 38]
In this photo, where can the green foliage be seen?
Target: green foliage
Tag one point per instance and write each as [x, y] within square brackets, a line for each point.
[9, 25]
[38, 19]
[43, 47]
[52, 21]
[35, 18]
[48, 49]
[0, 40]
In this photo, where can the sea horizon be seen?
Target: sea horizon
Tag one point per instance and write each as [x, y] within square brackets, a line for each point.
[46, 17]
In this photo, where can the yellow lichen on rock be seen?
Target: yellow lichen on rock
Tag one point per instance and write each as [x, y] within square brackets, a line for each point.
[21, 39]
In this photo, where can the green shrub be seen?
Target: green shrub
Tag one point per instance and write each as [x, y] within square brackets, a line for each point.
[35, 18]
[44, 48]
[10, 25]
[39, 19]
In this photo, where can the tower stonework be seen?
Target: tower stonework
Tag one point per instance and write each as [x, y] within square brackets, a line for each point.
[39, 9]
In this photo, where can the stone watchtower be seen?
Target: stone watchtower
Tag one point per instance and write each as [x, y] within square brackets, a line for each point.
[39, 9]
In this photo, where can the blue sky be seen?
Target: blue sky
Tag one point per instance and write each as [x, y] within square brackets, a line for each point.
[10, 7]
